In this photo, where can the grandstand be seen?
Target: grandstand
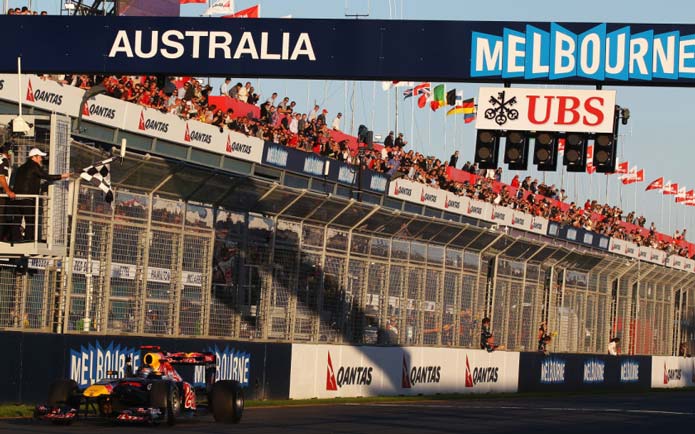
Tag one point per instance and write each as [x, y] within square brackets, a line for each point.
[215, 233]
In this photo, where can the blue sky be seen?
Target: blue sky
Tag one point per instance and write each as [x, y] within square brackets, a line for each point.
[657, 137]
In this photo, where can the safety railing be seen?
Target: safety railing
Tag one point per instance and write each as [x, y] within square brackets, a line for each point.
[24, 219]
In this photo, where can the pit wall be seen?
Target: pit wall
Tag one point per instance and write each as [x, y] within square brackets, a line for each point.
[297, 371]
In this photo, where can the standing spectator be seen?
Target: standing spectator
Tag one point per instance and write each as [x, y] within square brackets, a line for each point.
[400, 143]
[314, 113]
[515, 181]
[301, 125]
[234, 91]
[294, 123]
[498, 174]
[6, 227]
[284, 104]
[243, 94]
[272, 99]
[389, 140]
[253, 96]
[614, 346]
[487, 340]
[543, 338]
[454, 159]
[224, 87]
[336, 122]
[169, 87]
[321, 119]
[28, 181]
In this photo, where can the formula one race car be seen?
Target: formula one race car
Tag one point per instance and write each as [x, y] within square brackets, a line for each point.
[155, 393]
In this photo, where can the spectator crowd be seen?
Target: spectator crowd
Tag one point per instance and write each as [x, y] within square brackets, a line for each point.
[24, 11]
[280, 121]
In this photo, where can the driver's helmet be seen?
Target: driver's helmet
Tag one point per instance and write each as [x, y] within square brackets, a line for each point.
[145, 371]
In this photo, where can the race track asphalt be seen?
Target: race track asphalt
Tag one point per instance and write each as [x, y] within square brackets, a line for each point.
[653, 412]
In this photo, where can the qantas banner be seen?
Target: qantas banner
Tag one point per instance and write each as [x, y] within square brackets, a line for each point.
[47, 95]
[545, 110]
[501, 215]
[624, 248]
[485, 51]
[324, 371]
[673, 372]
[655, 256]
[105, 110]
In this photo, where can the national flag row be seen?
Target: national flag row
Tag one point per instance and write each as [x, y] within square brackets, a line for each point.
[437, 98]
[681, 194]
[226, 8]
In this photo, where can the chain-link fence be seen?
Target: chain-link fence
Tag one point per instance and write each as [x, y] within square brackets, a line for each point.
[157, 266]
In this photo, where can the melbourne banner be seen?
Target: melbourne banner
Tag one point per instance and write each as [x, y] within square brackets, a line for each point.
[485, 51]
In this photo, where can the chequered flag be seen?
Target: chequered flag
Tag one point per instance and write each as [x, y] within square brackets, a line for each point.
[99, 175]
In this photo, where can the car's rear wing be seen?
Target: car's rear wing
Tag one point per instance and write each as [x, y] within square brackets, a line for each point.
[178, 358]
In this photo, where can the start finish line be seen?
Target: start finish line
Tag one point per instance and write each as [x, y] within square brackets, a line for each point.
[454, 51]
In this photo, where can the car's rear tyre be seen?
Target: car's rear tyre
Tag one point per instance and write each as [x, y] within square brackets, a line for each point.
[165, 396]
[227, 401]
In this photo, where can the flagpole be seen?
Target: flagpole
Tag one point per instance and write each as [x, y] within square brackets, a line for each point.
[661, 213]
[669, 217]
[396, 99]
[429, 128]
[388, 109]
[445, 147]
[371, 124]
[576, 198]
[412, 123]
[607, 178]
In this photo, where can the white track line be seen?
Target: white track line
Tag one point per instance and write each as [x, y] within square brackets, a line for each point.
[575, 409]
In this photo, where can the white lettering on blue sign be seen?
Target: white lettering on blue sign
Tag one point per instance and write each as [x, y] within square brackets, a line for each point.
[313, 165]
[595, 54]
[277, 156]
[346, 175]
[89, 364]
[377, 183]
[230, 365]
[174, 44]
[629, 371]
[552, 371]
[594, 371]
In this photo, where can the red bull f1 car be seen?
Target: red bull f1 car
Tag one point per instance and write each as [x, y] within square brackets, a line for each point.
[155, 393]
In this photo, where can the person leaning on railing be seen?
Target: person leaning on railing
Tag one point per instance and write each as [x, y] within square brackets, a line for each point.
[28, 179]
[5, 213]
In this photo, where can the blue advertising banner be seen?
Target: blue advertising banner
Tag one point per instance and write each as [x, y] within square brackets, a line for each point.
[310, 164]
[485, 51]
[261, 368]
[571, 372]
[578, 235]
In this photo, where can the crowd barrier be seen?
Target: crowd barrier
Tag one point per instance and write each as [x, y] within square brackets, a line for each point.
[673, 372]
[583, 372]
[301, 371]
[34, 360]
[327, 371]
